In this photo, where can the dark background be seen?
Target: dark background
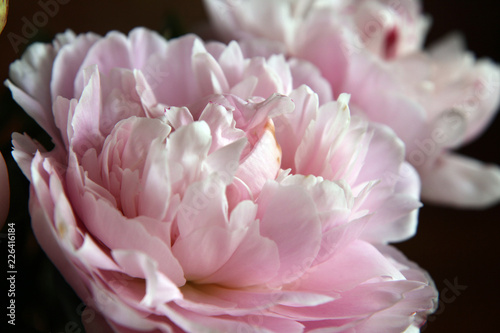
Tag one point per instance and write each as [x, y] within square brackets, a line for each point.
[455, 246]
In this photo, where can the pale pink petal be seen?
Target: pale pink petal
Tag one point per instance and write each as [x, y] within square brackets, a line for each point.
[376, 94]
[335, 273]
[396, 219]
[262, 163]
[102, 220]
[32, 75]
[460, 181]
[143, 44]
[232, 61]
[222, 125]
[116, 311]
[267, 80]
[334, 200]
[320, 42]
[289, 218]
[203, 205]
[305, 73]
[187, 249]
[192, 322]
[36, 110]
[225, 160]
[187, 147]
[178, 116]
[159, 289]
[67, 65]
[208, 74]
[323, 135]
[253, 251]
[212, 299]
[64, 110]
[377, 296]
[85, 121]
[47, 236]
[24, 150]
[175, 83]
[94, 256]
[291, 127]
[261, 47]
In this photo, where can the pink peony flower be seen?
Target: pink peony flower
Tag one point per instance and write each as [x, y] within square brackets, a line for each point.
[448, 99]
[435, 100]
[4, 192]
[326, 32]
[192, 189]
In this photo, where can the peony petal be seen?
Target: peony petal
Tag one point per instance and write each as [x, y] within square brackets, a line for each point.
[24, 151]
[85, 121]
[333, 200]
[31, 75]
[116, 311]
[395, 219]
[377, 297]
[190, 321]
[322, 137]
[319, 41]
[64, 110]
[36, 110]
[68, 63]
[114, 44]
[383, 105]
[268, 81]
[203, 205]
[222, 125]
[45, 231]
[217, 245]
[305, 73]
[175, 83]
[93, 256]
[225, 160]
[143, 44]
[291, 127]
[462, 182]
[178, 116]
[253, 251]
[159, 289]
[231, 61]
[102, 220]
[336, 275]
[262, 163]
[289, 218]
[187, 147]
[209, 75]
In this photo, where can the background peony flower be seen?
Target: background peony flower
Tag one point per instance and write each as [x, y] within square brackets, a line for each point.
[4, 192]
[325, 33]
[449, 98]
[166, 203]
[374, 53]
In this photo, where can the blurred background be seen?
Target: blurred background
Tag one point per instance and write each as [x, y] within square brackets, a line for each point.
[457, 247]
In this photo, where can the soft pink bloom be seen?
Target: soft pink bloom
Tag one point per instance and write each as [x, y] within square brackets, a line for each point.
[448, 98]
[324, 32]
[435, 100]
[4, 191]
[193, 189]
